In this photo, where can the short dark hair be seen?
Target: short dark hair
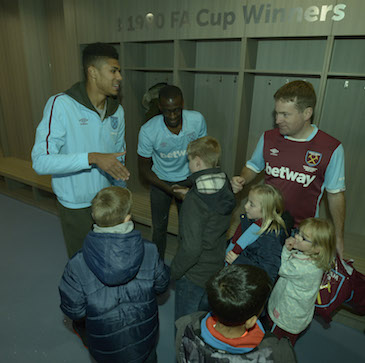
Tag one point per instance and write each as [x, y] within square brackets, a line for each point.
[96, 52]
[170, 91]
[300, 92]
[111, 206]
[236, 293]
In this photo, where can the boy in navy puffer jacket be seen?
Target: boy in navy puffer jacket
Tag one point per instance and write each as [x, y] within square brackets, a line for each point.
[111, 284]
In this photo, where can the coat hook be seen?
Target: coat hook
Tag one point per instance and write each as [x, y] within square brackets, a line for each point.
[346, 84]
[235, 79]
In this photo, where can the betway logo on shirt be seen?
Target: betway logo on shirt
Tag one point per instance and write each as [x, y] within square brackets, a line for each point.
[173, 155]
[285, 173]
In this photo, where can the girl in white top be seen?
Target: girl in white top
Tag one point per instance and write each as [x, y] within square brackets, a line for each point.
[306, 255]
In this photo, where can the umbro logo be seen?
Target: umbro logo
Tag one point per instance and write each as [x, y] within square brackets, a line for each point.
[274, 152]
[84, 121]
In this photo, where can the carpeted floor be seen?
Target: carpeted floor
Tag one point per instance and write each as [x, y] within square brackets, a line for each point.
[34, 330]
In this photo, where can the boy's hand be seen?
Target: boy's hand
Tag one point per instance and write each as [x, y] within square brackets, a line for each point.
[289, 243]
[179, 191]
[237, 183]
[231, 257]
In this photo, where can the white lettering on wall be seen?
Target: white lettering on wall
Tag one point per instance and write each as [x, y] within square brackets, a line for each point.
[260, 13]
[264, 13]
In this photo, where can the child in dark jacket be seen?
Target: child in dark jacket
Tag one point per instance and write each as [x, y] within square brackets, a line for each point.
[260, 236]
[112, 283]
[232, 332]
[203, 222]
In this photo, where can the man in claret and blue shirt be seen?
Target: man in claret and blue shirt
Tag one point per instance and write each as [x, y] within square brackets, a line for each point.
[80, 142]
[300, 160]
[162, 157]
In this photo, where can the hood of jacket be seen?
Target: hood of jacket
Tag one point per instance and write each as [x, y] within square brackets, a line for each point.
[79, 94]
[114, 258]
[222, 201]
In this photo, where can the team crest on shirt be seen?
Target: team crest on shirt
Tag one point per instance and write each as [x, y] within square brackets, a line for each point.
[313, 158]
[114, 122]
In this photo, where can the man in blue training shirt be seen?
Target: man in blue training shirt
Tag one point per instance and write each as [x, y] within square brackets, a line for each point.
[80, 141]
[162, 158]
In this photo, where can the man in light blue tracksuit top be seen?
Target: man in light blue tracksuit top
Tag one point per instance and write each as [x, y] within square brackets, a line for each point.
[80, 141]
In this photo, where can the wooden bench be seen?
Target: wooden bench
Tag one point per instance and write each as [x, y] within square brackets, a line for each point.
[22, 182]
[22, 171]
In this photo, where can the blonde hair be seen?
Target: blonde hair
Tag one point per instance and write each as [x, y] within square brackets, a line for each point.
[322, 236]
[272, 207]
[206, 148]
[111, 206]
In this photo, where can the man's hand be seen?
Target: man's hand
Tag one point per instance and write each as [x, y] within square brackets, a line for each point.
[178, 191]
[231, 257]
[110, 164]
[237, 183]
[289, 243]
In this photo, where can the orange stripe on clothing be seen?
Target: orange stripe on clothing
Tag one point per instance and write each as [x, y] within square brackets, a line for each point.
[250, 339]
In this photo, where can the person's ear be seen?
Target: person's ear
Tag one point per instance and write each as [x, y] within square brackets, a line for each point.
[92, 72]
[308, 112]
[250, 322]
[127, 218]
